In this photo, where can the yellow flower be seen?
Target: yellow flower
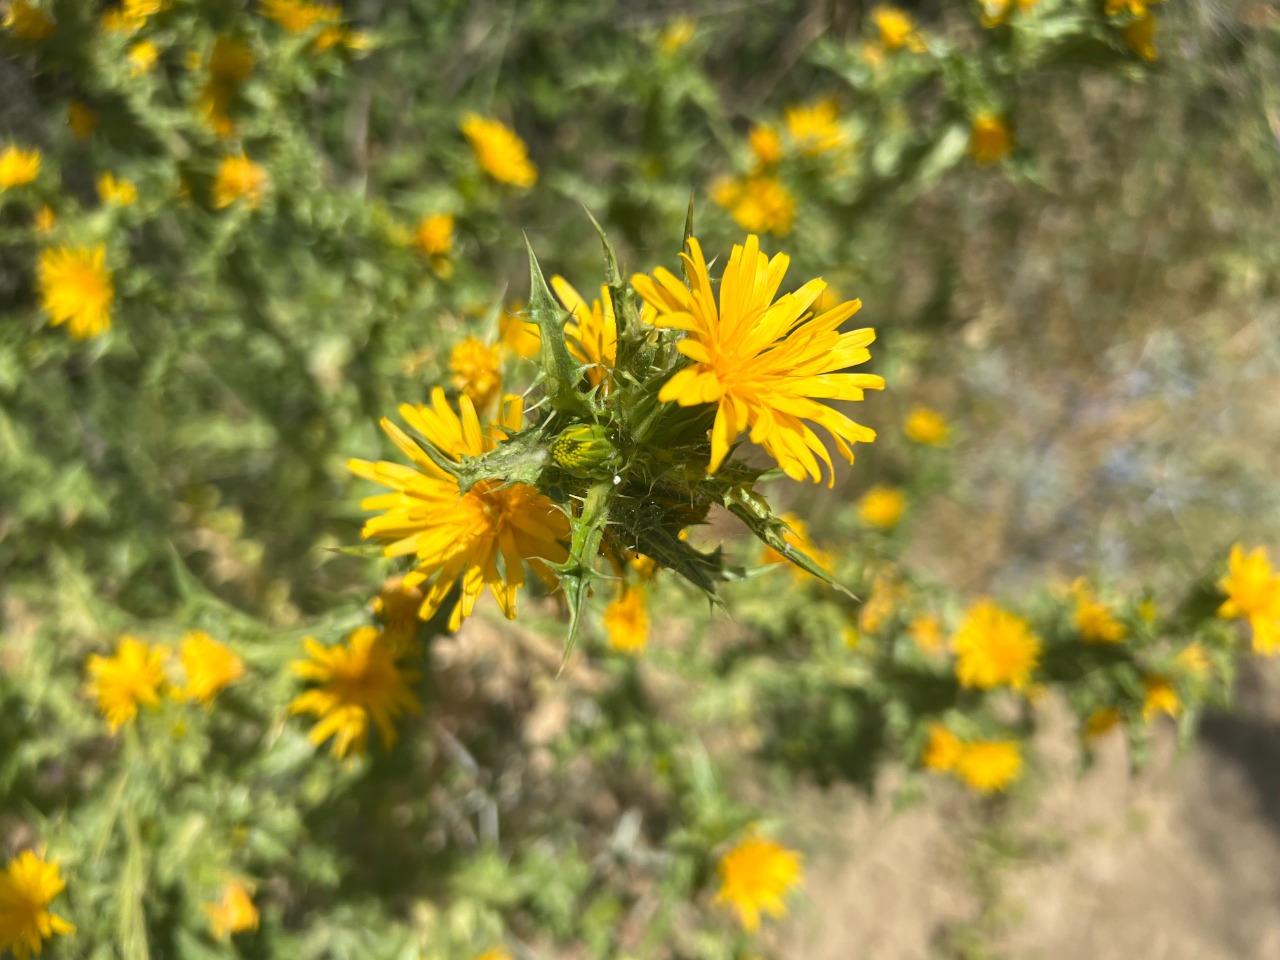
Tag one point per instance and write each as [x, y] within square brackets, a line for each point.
[897, 29]
[797, 536]
[239, 178]
[995, 12]
[434, 236]
[676, 34]
[461, 536]
[943, 751]
[396, 605]
[882, 506]
[476, 370]
[18, 167]
[81, 120]
[765, 144]
[499, 151]
[132, 676]
[994, 647]
[234, 912]
[117, 193]
[209, 667]
[1094, 621]
[495, 953]
[925, 425]
[517, 334]
[45, 220]
[75, 288]
[142, 57]
[626, 620]
[27, 887]
[881, 605]
[758, 203]
[815, 127]
[26, 22]
[358, 681]
[755, 876]
[766, 363]
[1194, 661]
[296, 16]
[230, 63]
[1101, 722]
[1140, 37]
[131, 15]
[990, 139]
[989, 766]
[592, 333]
[1160, 697]
[926, 632]
[1253, 592]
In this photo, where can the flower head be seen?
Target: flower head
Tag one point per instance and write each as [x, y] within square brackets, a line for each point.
[1160, 697]
[209, 667]
[897, 29]
[766, 364]
[517, 334]
[990, 139]
[626, 620]
[434, 236]
[994, 648]
[765, 144]
[233, 912]
[116, 192]
[1101, 722]
[926, 426]
[482, 537]
[26, 21]
[476, 369]
[18, 166]
[131, 677]
[239, 178]
[142, 57]
[759, 203]
[1140, 36]
[943, 750]
[676, 34]
[1194, 661]
[75, 288]
[1094, 620]
[356, 682]
[592, 332]
[755, 876]
[1253, 593]
[989, 766]
[926, 633]
[815, 127]
[797, 535]
[499, 151]
[27, 887]
[996, 12]
[298, 16]
[882, 506]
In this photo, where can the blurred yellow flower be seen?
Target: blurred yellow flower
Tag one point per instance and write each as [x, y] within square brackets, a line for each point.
[476, 370]
[116, 193]
[676, 34]
[131, 15]
[460, 536]
[499, 151]
[995, 12]
[18, 166]
[495, 953]
[765, 144]
[798, 536]
[298, 16]
[994, 647]
[239, 178]
[897, 29]
[142, 57]
[45, 220]
[1253, 593]
[233, 912]
[927, 426]
[1093, 619]
[132, 676]
[27, 887]
[517, 334]
[926, 633]
[1101, 722]
[882, 506]
[815, 127]
[209, 667]
[26, 21]
[1194, 661]
[591, 333]
[81, 120]
[356, 682]
[434, 236]
[75, 288]
[755, 876]
[765, 363]
[396, 605]
[989, 766]
[758, 203]
[230, 63]
[1140, 37]
[943, 750]
[1160, 697]
[626, 620]
[881, 604]
[990, 139]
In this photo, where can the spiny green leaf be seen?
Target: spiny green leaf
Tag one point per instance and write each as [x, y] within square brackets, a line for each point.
[560, 372]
